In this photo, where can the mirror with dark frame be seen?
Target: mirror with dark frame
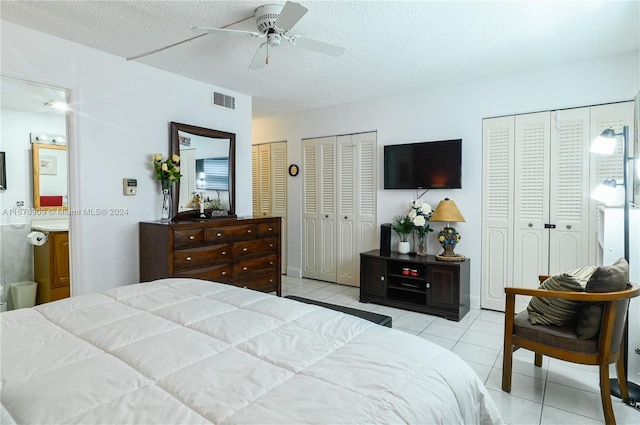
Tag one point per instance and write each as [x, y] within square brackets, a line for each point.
[207, 164]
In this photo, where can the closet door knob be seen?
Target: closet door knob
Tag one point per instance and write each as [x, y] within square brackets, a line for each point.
[568, 226]
[326, 216]
[530, 224]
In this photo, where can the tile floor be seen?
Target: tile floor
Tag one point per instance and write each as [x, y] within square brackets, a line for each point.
[557, 393]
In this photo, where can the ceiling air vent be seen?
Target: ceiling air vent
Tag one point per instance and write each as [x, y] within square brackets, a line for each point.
[223, 100]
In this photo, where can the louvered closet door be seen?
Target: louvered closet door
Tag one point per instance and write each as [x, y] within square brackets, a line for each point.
[310, 208]
[366, 229]
[255, 181]
[531, 190]
[188, 180]
[264, 175]
[615, 115]
[327, 208]
[279, 191]
[497, 210]
[569, 192]
[346, 215]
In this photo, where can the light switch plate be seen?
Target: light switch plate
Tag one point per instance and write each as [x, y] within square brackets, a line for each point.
[129, 186]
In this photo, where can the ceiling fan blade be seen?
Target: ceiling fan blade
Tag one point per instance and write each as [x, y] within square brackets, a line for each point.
[261, 57]
[225, 31]
[318, 46]
[290, 14]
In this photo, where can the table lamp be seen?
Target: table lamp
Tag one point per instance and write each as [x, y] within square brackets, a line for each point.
[448, 212]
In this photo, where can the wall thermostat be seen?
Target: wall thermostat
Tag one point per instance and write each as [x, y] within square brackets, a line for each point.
[129, 186]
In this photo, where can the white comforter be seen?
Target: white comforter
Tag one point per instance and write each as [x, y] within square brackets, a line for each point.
[187, 351]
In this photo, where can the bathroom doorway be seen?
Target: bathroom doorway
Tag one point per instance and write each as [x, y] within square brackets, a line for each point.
[34, 200]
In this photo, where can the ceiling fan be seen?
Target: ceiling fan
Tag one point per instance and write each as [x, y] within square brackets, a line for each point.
[275, 22]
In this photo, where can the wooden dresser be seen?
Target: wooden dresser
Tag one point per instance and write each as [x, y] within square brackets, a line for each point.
[242, 252]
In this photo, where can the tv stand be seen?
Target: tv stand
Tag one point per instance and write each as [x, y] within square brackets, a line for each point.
[435, 287]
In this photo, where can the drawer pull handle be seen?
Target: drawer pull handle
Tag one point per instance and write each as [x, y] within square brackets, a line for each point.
[381, 278]
[270, 228]
[270, 280]
[249, 231]
[224, 252]
[245, 249]
[191, 237]
[223, 273]
[270, 245]
[188, 258]
[219, 234]
[271, 263]
[245, 268]
[428, 285]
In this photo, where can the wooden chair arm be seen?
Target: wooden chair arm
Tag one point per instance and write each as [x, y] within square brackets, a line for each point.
[631, 292]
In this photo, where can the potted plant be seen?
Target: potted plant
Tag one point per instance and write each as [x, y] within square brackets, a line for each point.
[403, 226]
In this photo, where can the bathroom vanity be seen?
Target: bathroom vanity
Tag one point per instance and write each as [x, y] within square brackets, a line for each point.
[51, 263]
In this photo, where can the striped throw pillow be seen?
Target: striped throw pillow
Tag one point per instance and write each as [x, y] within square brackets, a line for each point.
[553, 311]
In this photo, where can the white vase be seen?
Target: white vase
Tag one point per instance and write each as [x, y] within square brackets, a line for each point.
[404, 247]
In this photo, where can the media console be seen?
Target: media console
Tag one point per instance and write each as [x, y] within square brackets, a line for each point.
[422, 284]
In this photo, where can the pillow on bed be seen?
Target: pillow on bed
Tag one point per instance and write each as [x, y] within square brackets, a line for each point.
[553, 311]
[605, 279]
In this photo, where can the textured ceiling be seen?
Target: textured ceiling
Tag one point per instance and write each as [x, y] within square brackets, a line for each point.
[391, 46]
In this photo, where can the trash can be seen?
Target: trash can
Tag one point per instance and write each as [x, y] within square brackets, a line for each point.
[23, 294]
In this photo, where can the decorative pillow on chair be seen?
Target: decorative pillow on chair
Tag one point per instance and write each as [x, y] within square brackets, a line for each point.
[605, 279]
[553, 311]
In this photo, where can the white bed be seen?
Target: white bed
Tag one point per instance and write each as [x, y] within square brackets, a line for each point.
[188, 351]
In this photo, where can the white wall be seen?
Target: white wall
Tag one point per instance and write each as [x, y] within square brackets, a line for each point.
[447, 113]
[15, 130]
[121, 115]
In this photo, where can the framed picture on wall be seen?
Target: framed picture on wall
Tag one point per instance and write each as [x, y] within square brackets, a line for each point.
[48, 165]
[3, 172]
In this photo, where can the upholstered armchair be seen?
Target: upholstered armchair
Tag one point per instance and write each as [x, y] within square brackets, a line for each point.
[565, 343]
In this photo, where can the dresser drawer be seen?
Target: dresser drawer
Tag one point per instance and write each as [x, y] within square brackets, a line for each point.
[245, 267]
[248, 248]
[266, 229]
[193, 258]
[219, 273]
[188, 238]
[267, 282]
[230, 233]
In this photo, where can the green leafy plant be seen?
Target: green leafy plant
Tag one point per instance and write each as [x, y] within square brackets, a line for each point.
[403, 226]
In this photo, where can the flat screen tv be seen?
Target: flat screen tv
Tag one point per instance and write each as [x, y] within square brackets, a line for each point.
[425, 165]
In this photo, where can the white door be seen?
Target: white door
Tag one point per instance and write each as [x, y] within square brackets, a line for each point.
[346, 255]
[327, 208]
[531, 198]
[569, 194]
[498, 135]
[366, 188]
[279, 191]
[255, 180]
[188, 180]
[310, 209]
